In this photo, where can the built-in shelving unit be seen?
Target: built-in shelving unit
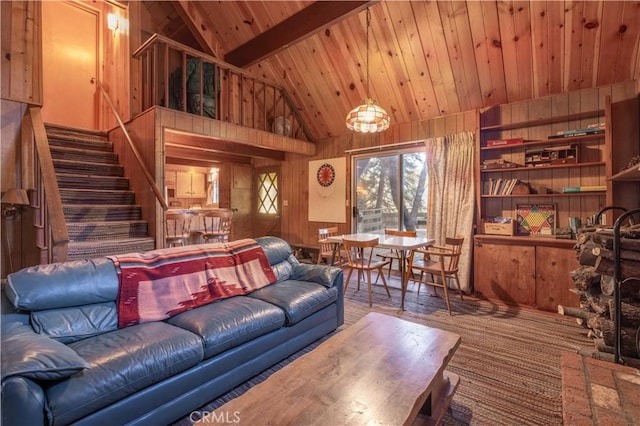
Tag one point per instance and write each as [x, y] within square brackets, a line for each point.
[574, 174]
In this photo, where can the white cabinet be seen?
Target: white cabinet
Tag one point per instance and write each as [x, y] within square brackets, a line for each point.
[190, 185]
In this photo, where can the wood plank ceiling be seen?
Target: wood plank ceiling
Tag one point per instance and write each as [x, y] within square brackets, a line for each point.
[426, 58]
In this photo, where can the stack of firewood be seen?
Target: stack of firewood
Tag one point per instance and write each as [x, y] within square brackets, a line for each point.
[595, 285]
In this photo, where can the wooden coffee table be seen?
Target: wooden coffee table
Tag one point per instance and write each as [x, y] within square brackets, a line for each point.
[381, 370]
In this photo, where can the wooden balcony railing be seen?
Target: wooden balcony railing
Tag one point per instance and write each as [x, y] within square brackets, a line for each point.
[179, 77]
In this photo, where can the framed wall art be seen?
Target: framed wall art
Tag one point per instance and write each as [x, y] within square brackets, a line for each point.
[535, 219]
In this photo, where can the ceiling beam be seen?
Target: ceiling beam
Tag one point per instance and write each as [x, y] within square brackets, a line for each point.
[212, 145]
[295, 28]
[189, 156]
[197, 25]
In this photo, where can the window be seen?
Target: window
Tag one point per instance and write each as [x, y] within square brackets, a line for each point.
[268, 193]
[390, 191]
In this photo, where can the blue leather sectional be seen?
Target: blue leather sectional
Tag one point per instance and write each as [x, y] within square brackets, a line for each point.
[65, 361]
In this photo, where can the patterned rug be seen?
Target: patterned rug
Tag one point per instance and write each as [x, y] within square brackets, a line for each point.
[508, 361]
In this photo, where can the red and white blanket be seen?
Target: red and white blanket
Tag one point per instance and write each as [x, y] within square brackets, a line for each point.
[162, 283]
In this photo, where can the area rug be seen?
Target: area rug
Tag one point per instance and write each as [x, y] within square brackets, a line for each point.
[508, 361]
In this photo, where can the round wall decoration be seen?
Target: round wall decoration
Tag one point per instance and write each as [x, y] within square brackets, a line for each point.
[326, 175]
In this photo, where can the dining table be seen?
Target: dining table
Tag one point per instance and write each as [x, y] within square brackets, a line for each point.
[394, 242]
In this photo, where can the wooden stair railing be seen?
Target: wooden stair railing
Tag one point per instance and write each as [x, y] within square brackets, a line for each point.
[150, 180]
[51, 219]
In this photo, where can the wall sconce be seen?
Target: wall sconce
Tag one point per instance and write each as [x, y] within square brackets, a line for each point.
[12, 202]
[15, 199]
[117, 23]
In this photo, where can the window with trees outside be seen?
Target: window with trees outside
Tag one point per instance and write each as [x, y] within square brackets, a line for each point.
[390, 192]
[268, 193]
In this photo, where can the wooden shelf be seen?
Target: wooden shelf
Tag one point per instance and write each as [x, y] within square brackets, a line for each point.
[631, 174]
[555, 166]
[555, 194]
[543, 121]
[546, 142]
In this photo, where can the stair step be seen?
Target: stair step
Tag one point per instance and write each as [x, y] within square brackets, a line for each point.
[115, 230]
[93, 196]
[76, 154]
[70, 133]
[100, 213]
[81, 144]
[91, 169]
[75, 181]
[93, 249]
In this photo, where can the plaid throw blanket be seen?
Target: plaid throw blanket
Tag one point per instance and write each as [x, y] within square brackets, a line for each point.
[159, 284]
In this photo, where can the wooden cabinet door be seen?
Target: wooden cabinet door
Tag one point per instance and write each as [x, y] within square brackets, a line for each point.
[198, 185]
[553, 277]
[505, 272]
[183, 185]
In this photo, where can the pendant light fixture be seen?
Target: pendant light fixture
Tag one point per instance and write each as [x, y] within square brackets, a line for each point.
[368, 117]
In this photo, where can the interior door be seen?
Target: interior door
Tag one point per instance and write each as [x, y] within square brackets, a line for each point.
[268, 202]
[70, 38]
[241, 196]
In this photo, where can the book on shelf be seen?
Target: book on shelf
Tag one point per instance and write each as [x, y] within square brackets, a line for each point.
[499, 186]
[578, 133]
[498, 163]
[591, 128]
[504, 142]
[585, 188]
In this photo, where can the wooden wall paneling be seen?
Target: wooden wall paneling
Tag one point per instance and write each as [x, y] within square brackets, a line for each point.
[405, 90]
[10, 172]
[21, 66]
[142, 131]
[488, 56]
[135, 65]
[611, 21]
[435, 47]
[458, 33]
[115, 70]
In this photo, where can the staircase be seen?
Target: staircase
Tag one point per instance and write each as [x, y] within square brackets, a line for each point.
[100, 211]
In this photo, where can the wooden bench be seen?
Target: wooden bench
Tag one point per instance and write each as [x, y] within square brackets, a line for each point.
[381, 370]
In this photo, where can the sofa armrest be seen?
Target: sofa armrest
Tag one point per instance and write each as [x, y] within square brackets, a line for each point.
[328, 276]
[23, 402]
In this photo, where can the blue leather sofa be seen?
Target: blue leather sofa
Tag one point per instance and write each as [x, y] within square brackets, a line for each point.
[65, 361]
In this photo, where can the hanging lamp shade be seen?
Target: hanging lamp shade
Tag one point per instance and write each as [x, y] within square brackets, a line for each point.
[368, 118]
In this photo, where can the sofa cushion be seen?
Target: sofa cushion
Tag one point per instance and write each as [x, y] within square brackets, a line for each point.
[27, 354]
[230, 322]
[298, 299]
[276, 249]
[123, 361]
[70, 324]
[59, 285]
[321, 274]
[282, 270]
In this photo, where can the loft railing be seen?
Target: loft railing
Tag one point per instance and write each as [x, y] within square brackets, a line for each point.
[179, 77]
[145, 171]
[52, 235]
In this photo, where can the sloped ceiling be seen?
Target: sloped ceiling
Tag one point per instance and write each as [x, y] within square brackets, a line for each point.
[426, 58]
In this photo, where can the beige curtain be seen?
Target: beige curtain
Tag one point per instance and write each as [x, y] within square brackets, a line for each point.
[450, 200]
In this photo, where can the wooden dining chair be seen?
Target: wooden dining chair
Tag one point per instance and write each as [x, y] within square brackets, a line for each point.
[440, 261]
[177, 228]
[394, 254]
[216, 226]
[327, 249]
[360, 258]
